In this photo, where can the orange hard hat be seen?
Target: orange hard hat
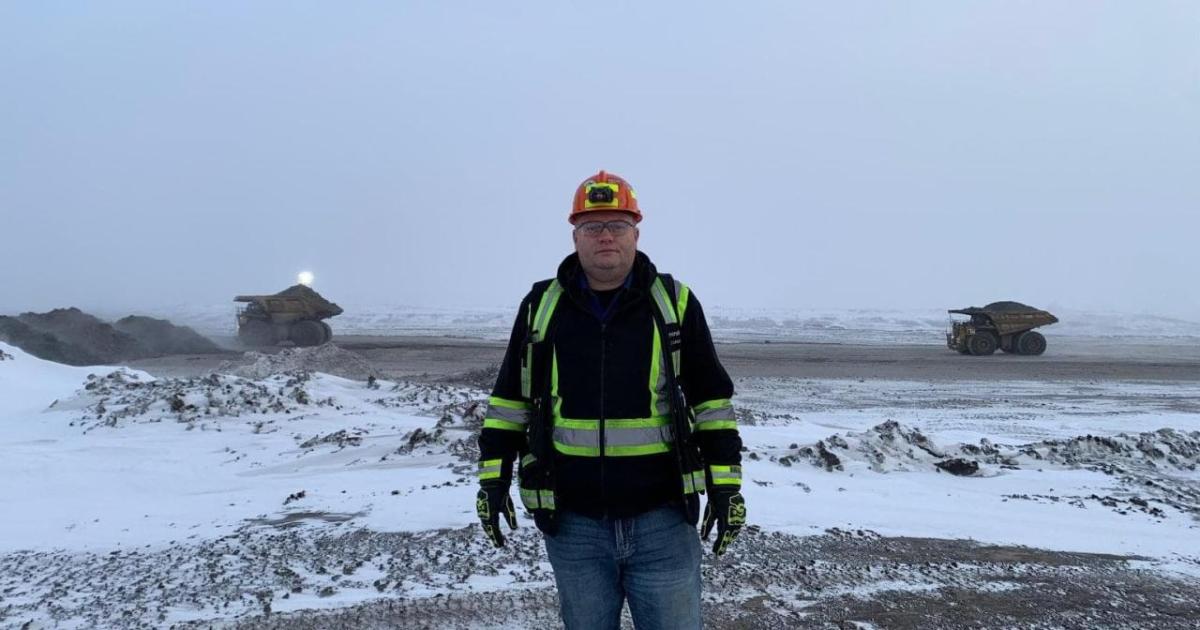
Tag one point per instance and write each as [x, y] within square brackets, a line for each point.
[605, 192]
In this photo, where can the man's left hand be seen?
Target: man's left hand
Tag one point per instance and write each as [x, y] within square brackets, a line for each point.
[726, 509]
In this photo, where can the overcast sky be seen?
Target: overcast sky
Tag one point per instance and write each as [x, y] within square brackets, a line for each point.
[786, 154]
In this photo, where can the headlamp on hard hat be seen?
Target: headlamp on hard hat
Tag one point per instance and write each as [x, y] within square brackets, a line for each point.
[601, 193]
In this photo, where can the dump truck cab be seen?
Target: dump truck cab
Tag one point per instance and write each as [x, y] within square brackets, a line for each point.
[1007, 326]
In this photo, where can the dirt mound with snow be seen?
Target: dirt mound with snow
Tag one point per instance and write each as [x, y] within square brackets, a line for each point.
[123, 397]
[4, 356]
[327, 359]
[891, 446]
[1151, 467]
[71, 336]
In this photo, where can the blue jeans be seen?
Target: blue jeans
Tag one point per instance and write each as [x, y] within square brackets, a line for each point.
[653, 559]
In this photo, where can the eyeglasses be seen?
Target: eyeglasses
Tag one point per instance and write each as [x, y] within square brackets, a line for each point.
[592, 229]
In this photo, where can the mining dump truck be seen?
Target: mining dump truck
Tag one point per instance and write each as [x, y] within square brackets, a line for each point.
[294, 314]
[1004, 325]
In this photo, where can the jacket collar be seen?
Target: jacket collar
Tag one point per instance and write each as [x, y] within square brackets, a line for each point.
[644, 273]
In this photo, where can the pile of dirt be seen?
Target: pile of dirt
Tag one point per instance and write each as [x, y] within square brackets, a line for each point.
[71, 336]
[162, 337]
[44, 345]
[326, 358]
[4, 356]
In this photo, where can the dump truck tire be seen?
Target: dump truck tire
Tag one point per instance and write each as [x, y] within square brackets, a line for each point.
[255, 333]
[1031, 343]
[328, 332]
[307, 333]
[982, 344]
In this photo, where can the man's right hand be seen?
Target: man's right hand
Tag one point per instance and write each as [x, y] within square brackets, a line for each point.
[492, 501]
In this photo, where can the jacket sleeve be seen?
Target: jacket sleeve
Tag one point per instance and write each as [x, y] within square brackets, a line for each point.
[508, 413]
[709, 392]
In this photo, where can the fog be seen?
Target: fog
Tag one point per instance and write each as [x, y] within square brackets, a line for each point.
[786, 155]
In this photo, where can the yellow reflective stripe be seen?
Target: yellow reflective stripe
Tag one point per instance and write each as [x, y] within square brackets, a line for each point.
[515, 416]
[693, 482]
[641, 449]
[715, 425]
[626, 436]
[490, 469]
[663, 301]
[556, 405]
[497, 401]
[581, 451]
[712, 404]
[725, 475]
[504, 425]
[637, 423]
[529, 498]
[545, 310]
[681, 296]
[537, 327]
[568, 423]
[656, 376]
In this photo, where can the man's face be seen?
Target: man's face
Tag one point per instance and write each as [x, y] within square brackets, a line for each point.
[605, 254]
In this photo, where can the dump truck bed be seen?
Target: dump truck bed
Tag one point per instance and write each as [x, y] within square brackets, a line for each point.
[1010, 317]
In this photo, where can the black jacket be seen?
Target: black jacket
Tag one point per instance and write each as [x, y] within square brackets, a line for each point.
[603, 372]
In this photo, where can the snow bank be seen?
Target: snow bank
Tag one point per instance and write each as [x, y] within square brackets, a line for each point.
[326, 358]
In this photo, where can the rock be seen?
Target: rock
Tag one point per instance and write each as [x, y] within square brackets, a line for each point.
[959, 466]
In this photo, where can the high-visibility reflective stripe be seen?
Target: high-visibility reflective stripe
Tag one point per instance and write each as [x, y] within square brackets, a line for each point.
[712, 404]
[660, 403]
[518, 416]
[512, 416]
[537, 499]
[623, 436]
[669, 314]
[503, 425]
[527, 360]
[545, 310]
[490, 469]
[577, 451]
[634, 451]
[716, 414]
[693, 482]
[537, 324]
[663, 301]
[528, 459]
[681, 299]
[496, 401]
[726, 475]
[716, 425]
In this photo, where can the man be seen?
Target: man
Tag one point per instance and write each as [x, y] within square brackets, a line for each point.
[614, 405]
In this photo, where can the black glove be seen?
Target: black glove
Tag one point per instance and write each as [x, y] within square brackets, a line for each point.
[492, 501]
[727, 509]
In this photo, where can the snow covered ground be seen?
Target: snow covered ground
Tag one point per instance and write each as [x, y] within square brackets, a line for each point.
[134, 501]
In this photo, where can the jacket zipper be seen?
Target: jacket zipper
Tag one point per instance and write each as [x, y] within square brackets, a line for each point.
[603, 493]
